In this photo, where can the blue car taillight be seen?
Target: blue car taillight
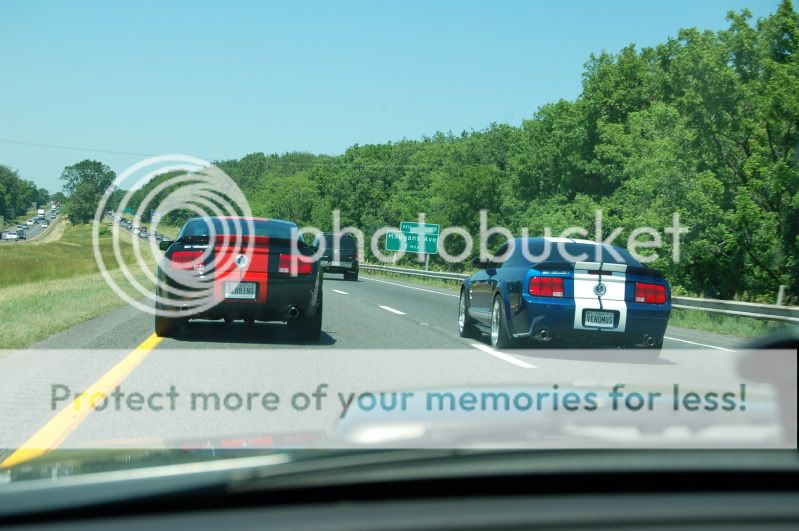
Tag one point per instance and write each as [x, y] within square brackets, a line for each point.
[546, 286]
[650, 293]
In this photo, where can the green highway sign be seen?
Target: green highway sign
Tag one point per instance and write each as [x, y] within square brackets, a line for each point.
[418, 238]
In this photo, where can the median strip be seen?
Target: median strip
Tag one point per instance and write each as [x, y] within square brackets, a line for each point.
[57, 429]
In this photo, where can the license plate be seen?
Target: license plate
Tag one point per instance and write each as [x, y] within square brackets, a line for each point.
[240, 290]
[598, 318]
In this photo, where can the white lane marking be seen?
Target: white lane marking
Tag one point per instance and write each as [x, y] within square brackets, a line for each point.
[392, 310]
[699, 344]
[410, 287]
[503, 356]
[339, 291]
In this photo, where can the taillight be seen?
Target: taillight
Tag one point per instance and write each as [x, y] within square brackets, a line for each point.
[546, 286]
[185, 259]
[650, 293]
[294, 265]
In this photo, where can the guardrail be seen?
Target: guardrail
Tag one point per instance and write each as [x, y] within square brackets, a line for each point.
[771, 312]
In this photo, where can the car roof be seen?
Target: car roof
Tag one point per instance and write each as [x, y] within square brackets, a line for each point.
[244, 218]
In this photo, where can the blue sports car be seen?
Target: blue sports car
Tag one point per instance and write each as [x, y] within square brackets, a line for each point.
[566, 291]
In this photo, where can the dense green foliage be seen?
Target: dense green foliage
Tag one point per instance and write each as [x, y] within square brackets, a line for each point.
[17, 195]
[705, 125]
[85, 182]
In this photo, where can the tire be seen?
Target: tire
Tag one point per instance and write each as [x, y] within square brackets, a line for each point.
[348, 275]
[308, 328]
[465, 328]
[499, 327]
[166, 326]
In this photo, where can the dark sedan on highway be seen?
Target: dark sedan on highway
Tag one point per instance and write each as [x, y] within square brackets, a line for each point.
[564, 291]
[340, 255]
[251, 269]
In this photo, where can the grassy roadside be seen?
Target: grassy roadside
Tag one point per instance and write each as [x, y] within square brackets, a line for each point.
[34, 311]
[51, 286]
[692, 319]
[67, 257]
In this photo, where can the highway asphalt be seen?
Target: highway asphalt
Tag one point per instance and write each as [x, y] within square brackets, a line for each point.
[379, 334]
[34, 230]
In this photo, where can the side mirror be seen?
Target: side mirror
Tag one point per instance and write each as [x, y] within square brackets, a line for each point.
[164, 244]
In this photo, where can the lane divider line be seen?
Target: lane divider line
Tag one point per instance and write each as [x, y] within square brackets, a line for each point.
[504, 357]
[699, 344]
[58, 428]
[411, 287]
[392, 310]
[339, 291]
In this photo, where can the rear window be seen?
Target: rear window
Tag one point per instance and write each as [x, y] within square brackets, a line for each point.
[570, 252]
[273, 229]
[347, 242]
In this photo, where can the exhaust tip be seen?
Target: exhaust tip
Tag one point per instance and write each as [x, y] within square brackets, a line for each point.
[649, 340]
[543, 335]
[293, 312]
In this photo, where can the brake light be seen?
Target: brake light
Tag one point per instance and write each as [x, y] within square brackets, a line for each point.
[185, 259]
[650, 293]
[294, 265]
[546, 286]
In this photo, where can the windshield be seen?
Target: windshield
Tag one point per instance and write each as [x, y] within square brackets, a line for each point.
[638, 161]
[345, 242]
[541, 250]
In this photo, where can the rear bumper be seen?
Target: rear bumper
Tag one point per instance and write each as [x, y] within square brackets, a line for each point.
[341, 267]
[282, 294]
[556, 320]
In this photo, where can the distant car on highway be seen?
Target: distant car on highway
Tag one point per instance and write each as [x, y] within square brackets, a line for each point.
[340, 255]
[255, 269]
[566, 291]
[21, 235]
[10, 236]
[29, 222]
[45, 225]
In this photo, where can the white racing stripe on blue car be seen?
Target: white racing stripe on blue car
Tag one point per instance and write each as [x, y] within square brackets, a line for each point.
[588, 297]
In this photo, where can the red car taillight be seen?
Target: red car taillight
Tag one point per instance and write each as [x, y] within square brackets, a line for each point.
[650, 293]
[546, 286]
[185, 259]
[294, 265]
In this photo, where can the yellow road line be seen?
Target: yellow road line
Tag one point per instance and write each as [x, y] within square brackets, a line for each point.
[59, 427]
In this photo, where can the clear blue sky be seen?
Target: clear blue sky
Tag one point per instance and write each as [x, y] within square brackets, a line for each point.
[220, 80]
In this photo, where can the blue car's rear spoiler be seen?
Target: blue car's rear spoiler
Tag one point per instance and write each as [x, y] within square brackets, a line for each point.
[571, 265]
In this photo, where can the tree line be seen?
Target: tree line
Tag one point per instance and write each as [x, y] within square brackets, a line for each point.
[705, 124]
[17, 195]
